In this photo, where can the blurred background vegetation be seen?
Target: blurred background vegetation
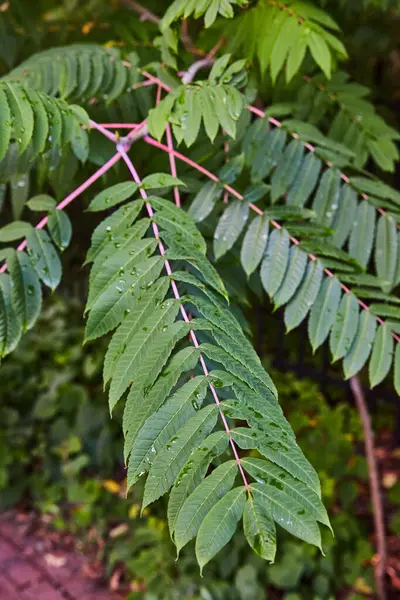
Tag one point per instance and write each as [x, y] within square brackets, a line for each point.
[60, 454]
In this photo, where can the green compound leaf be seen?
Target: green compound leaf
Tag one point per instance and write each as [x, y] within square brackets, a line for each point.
[113, 196]
[301, 303]
[362, 345]
[44, 257]
[259, 529]
[26, 290]
[219, 525]
[324, 311]
[254, 243]
[382, 355]
[274, 265]
[345, 327]
[230, 226]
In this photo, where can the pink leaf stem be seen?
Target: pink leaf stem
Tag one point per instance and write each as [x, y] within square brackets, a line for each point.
[99, 173]
[171, 157]
[103, 130]
[119, 125]
[156, 81]
[172, 163]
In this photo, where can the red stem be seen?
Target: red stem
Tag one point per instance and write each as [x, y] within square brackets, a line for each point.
[172, 163]
[156, 81]
[226, 158]
[170, 155]
[102, 130]
[119, 125]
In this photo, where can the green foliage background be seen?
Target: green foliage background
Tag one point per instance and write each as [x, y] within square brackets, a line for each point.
[62, 455]
[335, 88]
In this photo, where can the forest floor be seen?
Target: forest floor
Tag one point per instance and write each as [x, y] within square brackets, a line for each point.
[34, 566]
[37, 562]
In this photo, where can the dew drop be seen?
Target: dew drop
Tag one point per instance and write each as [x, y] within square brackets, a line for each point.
[120, 287]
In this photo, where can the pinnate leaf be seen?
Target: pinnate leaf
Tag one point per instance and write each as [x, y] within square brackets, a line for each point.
[386, 249]
[254, 243]
[293, 276]
[230, 226]
[362, 345]
[259, 529]
[200, 502]
[60, 228]
[345, 326]
[110, 307]
[204, 201]
[193, 473]
[301, 303]
[176, 452]
[288, 513]
[323, 312]
[160, 180]
[126, 364]
[41, 202]
[382, 355]
[14, 231]
[26, 290]
[265, 472]
[274, 265]
[10, 324]
[44, 257]
[137, 411]
[219, 525]
[113, 196]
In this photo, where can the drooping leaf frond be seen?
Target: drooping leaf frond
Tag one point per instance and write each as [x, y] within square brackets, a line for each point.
[299, 275]
[209, 8]
[21, 293]
[173, 427]
[356, 214]
[217, 103]
[32, 122]
[89, 74]
[281, 33]
[201, 418]
[343, 109]
[77, 72]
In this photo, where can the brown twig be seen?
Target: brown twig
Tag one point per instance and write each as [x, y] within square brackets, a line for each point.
[145, 14]
[188, 42]
[376, 497]
[215, 48]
